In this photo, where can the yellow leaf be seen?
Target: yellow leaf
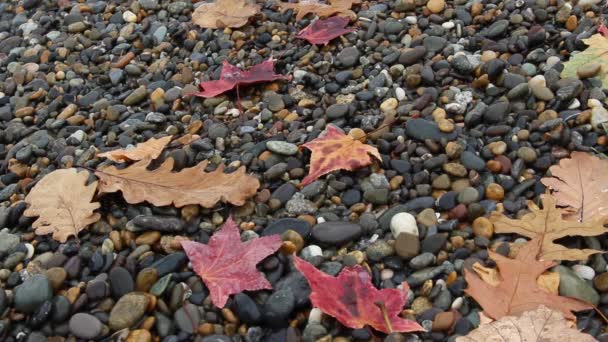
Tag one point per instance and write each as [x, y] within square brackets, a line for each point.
[224, 13]
[62, 202]
[597, 52]
[191, 185]
[152, 148]
[547, 224]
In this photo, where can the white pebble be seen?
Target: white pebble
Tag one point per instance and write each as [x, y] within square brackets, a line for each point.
[403, 223]
[129, 17]
[448, 25]
[320, 219]
[311, 251]
[411, 19]
[457, 303]
[315, 315]
[538, 81]
[30, 250]
[386, 274]
[584, 271]
[575, 104]
[400, 94]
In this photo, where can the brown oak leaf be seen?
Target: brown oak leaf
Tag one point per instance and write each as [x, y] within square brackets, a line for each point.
[191, 185]
[542, 324]
[518, 290]
[580, 183]
[548, 281]
[152, 148]
[224, 13]
[337, 151]
[62, 202]
[547, 223]
[304, 7]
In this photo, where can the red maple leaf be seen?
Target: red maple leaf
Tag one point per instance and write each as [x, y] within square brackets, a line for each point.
[352, 299]
[322, 31]
[232, 76]
[227, 265]
[603, 30]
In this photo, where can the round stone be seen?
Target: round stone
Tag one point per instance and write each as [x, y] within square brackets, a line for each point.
[403, 223]
[282, 147]
[483, 227]
[85, 326]
[495, 192]
[436, 6]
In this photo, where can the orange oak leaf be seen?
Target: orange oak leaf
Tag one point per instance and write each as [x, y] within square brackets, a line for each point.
[518, 290]
[580, 183]
[191, 185]
[62, 202]
[152, 148]
[549, 225]
[337, 151]
[352, 299]
[227, 265]
[304, 7]
[542, 324]
[224, 13]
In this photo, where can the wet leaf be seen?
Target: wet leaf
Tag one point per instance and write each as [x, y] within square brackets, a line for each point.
[189, 186]
[62, 202]
[228, 266]
[224, 13]
[596, 52]
[232, 76]
[322, 31]
[518, 290]
[548, 281]
[339, 7]
[352, 299]
[580, 183]
[150, 149]
[337, 151]
[541, 324]
[547, 224]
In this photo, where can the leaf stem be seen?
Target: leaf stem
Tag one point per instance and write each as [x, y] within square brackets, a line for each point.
[382, 307]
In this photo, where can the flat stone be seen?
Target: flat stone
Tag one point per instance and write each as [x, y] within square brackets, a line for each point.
[127, 311]
[336, 233]
[422, 129]
[282, 147]
[280, 226]
[32, 293]
[407, 245]
[85, 326]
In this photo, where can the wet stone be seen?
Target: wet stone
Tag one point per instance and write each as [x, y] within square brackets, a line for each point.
[336, 233]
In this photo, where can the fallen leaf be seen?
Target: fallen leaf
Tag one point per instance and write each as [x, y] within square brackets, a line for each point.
[596, 52]
[352, 299]
[224, 13]
[549, 281]
[189, 186]
[547, 224]
[187, 139]
[489, 275]
[603, 30]
[151, 148]
[518, 290]
[580, 183]
[232, 76]
[228, 266]
[304, 7]
[337, 151]
[62, 200]
[322, 31]
[541, 324]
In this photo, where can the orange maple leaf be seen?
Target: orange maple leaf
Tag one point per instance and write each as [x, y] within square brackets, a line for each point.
[337, 151]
